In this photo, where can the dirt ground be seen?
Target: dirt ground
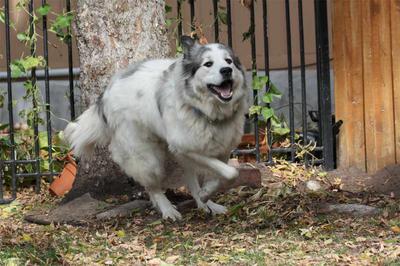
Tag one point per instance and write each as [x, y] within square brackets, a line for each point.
[385, 181]
[276, 224]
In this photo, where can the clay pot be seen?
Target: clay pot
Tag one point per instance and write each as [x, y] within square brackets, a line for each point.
[63, 183]
[249, 140]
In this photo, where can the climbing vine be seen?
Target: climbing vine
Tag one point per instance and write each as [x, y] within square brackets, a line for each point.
[21, 68]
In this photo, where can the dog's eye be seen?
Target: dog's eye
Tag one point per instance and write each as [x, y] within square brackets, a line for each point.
[208, 64]
[229, 61]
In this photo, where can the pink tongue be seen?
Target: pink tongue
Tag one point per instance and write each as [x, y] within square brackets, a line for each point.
[225, 91]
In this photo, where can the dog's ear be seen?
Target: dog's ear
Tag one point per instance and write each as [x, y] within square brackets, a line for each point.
[236, 62]
[187, 44]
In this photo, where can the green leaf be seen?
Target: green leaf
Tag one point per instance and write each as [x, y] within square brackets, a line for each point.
[168, 22]
[21, 4]
[179, 50]
[2, 98]
[44, 10]
[44, 165]
[2, 16]
[259, 82]
[275, 122]
[43, 140]
[255, 109]
[30, 62]
[275, 91]
[16, 70]
[281, 131]
[121, 233]
[63, 20]
[223, 17]
[246, 35]
[22, 36]
[168, 8]
[3, 126]
[267, 112]
[267, 98]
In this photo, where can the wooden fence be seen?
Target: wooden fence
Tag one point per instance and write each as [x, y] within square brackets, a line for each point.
[366, 50]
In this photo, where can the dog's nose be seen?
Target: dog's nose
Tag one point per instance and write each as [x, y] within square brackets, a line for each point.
[226, 72]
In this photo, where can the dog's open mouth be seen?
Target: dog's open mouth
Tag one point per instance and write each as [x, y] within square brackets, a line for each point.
[223, 91]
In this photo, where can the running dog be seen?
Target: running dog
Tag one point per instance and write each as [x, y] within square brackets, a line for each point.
[191, 108]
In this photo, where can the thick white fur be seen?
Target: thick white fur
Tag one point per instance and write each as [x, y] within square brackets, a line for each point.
[154, 115]
[88, 131]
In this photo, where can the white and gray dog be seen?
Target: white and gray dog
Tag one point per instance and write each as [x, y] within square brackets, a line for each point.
[191, 109]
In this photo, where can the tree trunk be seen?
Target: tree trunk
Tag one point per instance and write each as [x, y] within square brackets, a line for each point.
[110, 36]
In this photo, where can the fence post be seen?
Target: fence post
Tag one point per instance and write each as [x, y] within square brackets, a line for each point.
[323, 76]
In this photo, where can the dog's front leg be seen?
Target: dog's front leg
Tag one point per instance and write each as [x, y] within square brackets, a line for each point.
[216, 165]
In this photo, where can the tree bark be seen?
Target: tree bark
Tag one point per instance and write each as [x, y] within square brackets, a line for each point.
[110, 36]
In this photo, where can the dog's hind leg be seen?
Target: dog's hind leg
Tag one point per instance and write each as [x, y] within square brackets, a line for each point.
[209, 187]
[201, 195]
[142, 156]
[192, 183]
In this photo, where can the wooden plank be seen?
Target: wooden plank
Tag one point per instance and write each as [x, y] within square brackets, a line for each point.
[395, 27]
[348, 80]
[378, 90]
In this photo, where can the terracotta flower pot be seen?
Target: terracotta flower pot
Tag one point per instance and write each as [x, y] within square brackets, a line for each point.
[63, 183]
[249, 140]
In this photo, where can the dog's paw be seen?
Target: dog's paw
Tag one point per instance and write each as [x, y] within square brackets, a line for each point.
[216, 208]
[171, 213]
[203, 206]
[231, 173]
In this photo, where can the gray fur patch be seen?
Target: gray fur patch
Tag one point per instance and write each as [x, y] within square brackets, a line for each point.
[100, 107]
[139, 94]
[131, 69]
[193, 60]
[159, 96]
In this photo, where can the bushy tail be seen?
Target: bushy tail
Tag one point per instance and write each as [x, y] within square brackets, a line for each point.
[87, 132]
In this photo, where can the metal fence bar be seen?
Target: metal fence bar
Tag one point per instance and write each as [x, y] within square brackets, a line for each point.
[323, 76]
[290, 78]
[303, 78]
[70, 68]
[266, 66]
[216, 20]
[229, 22]
[179, 18]
[47, 90]
[34, 174]
[1, 182]
[10, 100]
[254, 73]
[34, 102]
[192, 13]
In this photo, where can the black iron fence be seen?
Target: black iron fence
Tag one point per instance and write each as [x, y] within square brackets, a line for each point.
[316, 146]
[320, 140]
[15, 167]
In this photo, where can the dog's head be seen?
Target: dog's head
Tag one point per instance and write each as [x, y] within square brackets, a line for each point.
[212, 72]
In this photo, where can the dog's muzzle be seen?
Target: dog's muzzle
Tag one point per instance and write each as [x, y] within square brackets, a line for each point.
[223, 91]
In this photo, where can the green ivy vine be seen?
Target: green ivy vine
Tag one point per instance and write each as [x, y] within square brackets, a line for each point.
[20, 69]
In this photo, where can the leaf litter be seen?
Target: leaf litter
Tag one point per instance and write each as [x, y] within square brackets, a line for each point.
[277, 224]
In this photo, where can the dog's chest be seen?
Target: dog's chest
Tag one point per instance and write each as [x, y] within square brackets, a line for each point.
[212, 138]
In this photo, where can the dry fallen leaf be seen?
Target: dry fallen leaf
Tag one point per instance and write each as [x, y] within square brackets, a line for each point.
[395, 229]
[172, 259]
